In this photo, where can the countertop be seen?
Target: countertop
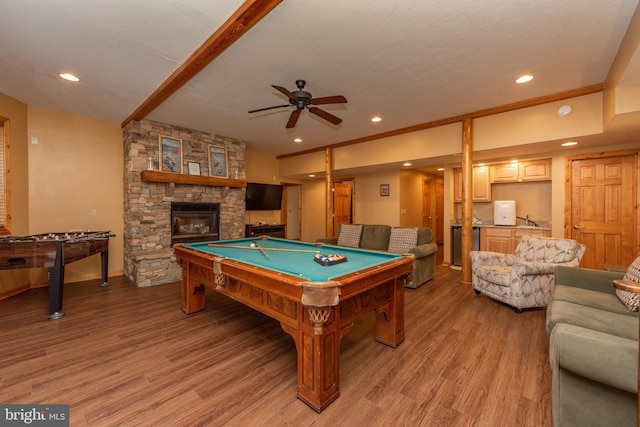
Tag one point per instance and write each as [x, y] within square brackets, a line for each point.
[519, 227]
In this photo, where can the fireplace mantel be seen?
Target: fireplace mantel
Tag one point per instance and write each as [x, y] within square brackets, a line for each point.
[180, 178]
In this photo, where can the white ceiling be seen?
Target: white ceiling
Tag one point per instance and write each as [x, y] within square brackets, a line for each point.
[409, 61]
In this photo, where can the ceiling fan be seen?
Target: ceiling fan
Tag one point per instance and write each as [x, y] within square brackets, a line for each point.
[301, 100]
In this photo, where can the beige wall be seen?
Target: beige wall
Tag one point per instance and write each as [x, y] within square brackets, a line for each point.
[532, 198]
[75, 182]
[427, 143]
[303, 165]
[262, 168]
[411, 198]
[370, 206]
[14, 113]
[313, 221]
[539, 123]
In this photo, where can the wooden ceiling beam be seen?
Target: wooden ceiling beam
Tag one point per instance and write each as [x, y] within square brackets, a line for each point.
[247, 15]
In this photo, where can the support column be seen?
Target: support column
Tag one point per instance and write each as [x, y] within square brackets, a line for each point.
[467, 199]
[328, 160]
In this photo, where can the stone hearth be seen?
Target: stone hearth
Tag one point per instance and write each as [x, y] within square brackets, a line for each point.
[148, 256]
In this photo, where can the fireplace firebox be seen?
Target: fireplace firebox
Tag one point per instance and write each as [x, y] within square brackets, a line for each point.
[194, 222]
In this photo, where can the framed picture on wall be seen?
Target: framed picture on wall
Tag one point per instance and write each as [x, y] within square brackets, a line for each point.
[218, 161]
[170, 154]
[193, 168]
[384, 189]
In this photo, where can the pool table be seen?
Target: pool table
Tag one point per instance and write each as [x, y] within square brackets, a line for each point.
[315, 304]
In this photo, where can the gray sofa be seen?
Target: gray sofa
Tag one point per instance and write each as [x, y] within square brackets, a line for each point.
[376, 237]
[593, 351]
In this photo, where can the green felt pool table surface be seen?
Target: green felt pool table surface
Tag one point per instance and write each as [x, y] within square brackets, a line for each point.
[294, 257]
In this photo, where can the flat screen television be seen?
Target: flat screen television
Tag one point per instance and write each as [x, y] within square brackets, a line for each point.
[263, 197]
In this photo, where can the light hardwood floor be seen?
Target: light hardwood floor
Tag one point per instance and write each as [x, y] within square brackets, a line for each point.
[126, 356]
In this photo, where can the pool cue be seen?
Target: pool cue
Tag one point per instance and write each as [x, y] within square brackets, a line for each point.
[266, 249]
[266, 255]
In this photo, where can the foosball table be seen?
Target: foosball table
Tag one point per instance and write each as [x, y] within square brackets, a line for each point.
[54, 251]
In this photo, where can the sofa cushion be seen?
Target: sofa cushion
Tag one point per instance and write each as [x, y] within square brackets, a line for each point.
[375, 237]
[350, 235]
[590, 298]
[402, 239]
[545, 249]
[630, 299]
[497, 274]
[621, 325]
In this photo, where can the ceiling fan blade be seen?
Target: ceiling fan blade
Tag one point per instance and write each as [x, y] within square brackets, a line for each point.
[293, 118]
[285, 92]
[327, 116]
[269, 108]
[338, 99]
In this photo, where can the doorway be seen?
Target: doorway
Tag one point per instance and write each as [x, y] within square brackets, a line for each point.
[292, 212]
[433, 208]
[601, 206]
[342, 203]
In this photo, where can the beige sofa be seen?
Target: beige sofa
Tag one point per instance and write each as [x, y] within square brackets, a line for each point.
[524, 279]
[383, 238]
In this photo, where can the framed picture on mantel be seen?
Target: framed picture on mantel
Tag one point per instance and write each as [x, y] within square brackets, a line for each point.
[170, 154]
[218, 161]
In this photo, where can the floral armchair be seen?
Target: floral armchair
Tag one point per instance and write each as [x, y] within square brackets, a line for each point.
[524, 279]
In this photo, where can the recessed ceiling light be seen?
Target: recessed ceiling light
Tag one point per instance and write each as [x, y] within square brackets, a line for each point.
[440, 169]
[311, 175]
[565, 110]
[525, 78]
[406, 164]
[70, 77]
[297, 140]
[376, 119]
[514, 161]
[569, 144]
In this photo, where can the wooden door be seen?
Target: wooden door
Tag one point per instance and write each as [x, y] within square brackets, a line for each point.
[426, 204]
[341, 205]
[439, 231]
[603, 208]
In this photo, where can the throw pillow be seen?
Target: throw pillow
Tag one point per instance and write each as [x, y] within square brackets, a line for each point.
[350, 235]
[630, 299]
[402, 239]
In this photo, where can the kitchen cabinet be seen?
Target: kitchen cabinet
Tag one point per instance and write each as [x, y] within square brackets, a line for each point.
[505, 240]
[535, 170]
[530, 170]
[481, 186]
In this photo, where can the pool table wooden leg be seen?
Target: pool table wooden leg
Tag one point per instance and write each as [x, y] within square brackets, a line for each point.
[318, 359]
[192, 291]
[390, 317]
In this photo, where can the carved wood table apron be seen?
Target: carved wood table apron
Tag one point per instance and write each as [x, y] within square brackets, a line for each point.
[316, 305]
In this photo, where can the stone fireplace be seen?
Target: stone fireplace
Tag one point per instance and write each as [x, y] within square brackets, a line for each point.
[148, 222]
